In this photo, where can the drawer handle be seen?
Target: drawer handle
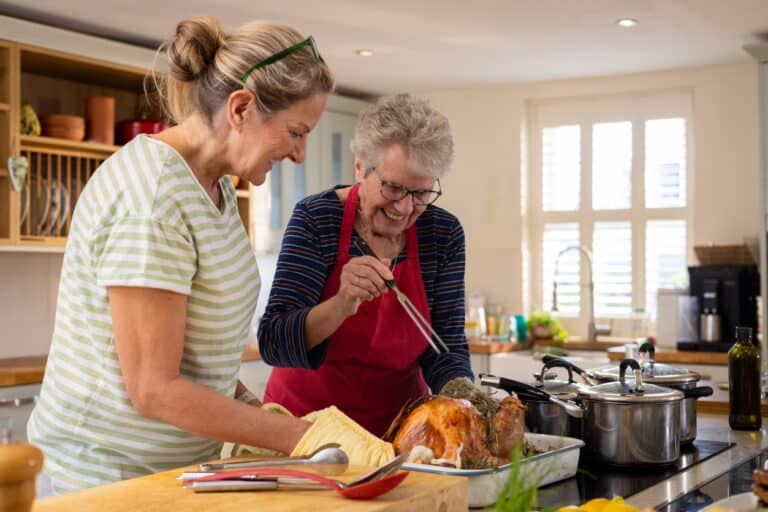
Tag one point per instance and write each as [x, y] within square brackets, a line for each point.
[16, 402]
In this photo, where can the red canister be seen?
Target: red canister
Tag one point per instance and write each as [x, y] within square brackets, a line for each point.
[128, 129]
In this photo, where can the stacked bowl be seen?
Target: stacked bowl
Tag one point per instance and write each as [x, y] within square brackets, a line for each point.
[64, 126]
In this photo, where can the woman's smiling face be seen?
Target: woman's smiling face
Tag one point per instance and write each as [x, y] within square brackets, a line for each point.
[385, 217]
[265, 141]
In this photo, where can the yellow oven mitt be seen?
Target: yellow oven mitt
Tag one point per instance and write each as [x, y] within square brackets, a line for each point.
[244, 449]
[330, 425]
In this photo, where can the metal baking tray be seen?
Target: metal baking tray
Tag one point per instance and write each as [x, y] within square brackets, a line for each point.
[559, 461]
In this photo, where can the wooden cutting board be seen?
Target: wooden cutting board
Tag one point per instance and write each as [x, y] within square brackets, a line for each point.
[162, 492]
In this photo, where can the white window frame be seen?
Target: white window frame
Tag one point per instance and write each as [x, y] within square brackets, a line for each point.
[585, 112]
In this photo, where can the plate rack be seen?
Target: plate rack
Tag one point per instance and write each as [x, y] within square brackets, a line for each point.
[55, 180]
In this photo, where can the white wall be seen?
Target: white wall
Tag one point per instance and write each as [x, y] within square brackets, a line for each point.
[29, 283]
[484, 188]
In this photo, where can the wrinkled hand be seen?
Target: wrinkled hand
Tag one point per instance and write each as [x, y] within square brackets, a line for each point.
[362, 279]
[330, 425]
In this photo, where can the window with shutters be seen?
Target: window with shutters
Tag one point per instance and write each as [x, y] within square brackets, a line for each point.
[608, 175]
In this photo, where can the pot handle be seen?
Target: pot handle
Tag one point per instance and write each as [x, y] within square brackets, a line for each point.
[648, 347]
[528, 392]
[548, 359]
[631, 363]
[698, 392]
[556, 363]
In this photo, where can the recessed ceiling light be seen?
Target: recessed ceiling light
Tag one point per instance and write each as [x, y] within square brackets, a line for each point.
[365, 53]
[626, 22]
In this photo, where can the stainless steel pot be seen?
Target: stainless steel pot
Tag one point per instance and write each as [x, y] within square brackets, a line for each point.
[630, 423]
[549, 413]
[680, 379]
[545, 417]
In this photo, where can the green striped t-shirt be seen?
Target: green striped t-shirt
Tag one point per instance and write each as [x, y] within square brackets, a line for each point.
[143, 220]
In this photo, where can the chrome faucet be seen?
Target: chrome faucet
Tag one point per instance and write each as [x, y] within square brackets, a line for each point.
[592, 328]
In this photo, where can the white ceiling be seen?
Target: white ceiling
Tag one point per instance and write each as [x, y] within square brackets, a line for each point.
[430, 44]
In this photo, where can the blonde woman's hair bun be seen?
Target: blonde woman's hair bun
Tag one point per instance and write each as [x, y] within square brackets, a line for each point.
[193, 50]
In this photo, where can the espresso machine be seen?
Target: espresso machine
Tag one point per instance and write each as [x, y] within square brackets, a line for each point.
[727, 297]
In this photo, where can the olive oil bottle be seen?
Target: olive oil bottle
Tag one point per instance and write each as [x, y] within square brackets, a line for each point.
[744, 388]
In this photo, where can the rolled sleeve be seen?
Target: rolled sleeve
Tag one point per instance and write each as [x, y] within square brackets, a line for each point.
[300, 279]
[144, 252]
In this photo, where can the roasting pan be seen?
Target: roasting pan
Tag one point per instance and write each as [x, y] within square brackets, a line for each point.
[559, 461]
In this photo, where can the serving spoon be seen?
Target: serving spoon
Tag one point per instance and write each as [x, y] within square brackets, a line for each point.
[328, 459]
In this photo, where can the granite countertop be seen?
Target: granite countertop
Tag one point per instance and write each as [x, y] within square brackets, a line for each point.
[713, 428]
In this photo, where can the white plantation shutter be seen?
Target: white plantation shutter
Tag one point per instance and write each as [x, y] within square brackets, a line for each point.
[615, 171]
[611, 165]
[665, 265]
[556, 238]
[612, 255]
[561, 157]
[665, 173]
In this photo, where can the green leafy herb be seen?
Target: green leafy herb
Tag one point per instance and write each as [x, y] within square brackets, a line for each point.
[522, 485]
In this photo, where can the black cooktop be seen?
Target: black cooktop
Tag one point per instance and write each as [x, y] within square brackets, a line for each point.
[594, 480]
[735, 481]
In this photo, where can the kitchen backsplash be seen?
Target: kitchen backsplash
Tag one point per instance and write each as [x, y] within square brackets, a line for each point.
[30, 283]
[28, 292]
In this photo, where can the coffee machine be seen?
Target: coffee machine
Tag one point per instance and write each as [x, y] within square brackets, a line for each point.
[727, 296]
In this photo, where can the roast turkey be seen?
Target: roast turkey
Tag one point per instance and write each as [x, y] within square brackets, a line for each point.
[460, 427]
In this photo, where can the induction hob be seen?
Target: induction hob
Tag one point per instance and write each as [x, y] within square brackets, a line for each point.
[595, 480]
[736, 481]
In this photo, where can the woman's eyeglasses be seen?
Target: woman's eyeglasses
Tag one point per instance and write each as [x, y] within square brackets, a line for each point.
[395, 192]
[310, 41]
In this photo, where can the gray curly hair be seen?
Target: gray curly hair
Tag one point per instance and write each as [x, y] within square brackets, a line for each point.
[423, 132]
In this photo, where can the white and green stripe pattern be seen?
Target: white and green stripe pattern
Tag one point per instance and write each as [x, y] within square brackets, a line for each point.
[142, 220]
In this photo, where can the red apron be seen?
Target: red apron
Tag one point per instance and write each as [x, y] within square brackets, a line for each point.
[372, 365]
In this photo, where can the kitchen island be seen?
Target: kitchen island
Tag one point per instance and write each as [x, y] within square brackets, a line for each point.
[419, 491]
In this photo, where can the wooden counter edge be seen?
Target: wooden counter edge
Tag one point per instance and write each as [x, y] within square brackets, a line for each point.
[478, 346]
[16, 371]
[663, 355]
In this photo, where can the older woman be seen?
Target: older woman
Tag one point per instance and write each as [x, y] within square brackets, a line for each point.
[159, 282]
[339, 337]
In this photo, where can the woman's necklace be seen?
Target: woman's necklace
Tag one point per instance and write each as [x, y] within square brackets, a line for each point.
[392, 247]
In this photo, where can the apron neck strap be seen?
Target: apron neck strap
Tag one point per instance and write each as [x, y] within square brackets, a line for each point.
[348, 221]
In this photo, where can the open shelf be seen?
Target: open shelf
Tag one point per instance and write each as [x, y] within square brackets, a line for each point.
[37, 142]
[4, 107]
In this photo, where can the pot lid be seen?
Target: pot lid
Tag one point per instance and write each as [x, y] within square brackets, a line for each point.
[627, 392]
[652, 372]
[562, 389]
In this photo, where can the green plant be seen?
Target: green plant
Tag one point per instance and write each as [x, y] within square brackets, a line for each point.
[546, 320]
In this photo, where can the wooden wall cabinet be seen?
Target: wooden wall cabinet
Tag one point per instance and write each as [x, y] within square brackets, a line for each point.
[39, 216]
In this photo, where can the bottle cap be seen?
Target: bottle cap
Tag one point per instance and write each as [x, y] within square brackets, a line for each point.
[743, 333]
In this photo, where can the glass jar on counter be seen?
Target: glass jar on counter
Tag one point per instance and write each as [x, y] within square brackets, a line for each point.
[475, 321]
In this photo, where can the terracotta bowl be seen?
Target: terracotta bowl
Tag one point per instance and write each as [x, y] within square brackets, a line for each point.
[64, 126]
